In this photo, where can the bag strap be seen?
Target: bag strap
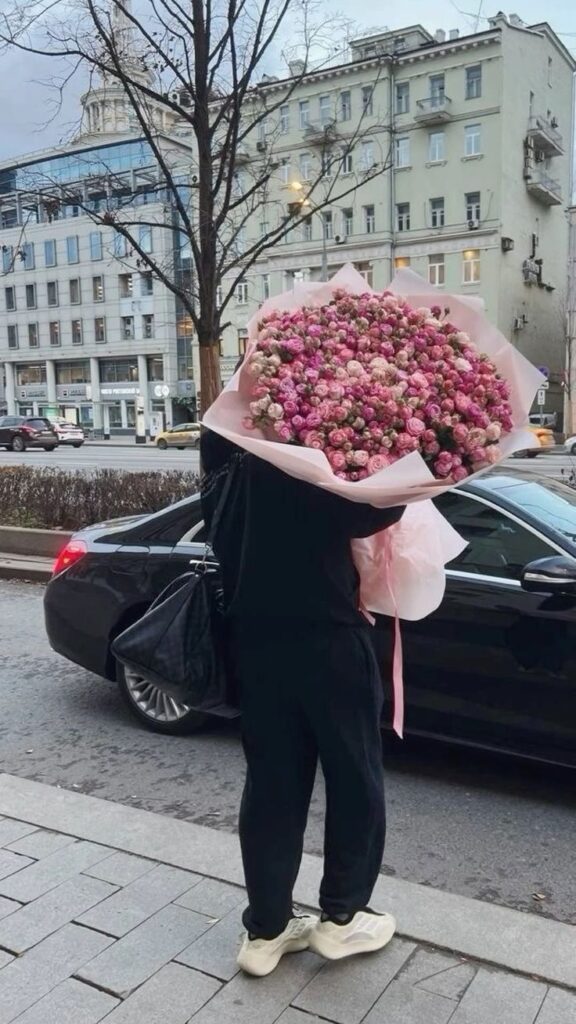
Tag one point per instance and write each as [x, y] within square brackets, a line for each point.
[231, 470]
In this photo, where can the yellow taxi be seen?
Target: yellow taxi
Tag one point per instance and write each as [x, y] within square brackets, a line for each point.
[543, 438]
[184, 435]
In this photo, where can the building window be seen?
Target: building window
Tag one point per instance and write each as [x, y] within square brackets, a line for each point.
[471, 266]
[96, 245]
[32, 373]
[346, 105]
[7, 259]
[474, 82]
[304, 113]
[285, 172]
[437, 90]
[348, 221]
[115, 371]
[328, 224]
[307, 229]
[368, 100]
[369, 220]
[75, 291]
[367, 155]
[146, 284]
[401, 262]
[402, 151]
[98, 289]
[472, 206]
[28, 257]
[120, 245]
[50, 253]
[127, 326]
[219, 299]
[77, 334]
[305, 166]
[52, 293]
[436, 270]
[242, 293]
[265, 287]
[100, 329]
[33, 336]
[155, 367]
[125, 283]
[402, 99]
[472, 140]
[73, 372]
[148, 325]
[72, 253]
[347, 162]
[437, 213]
[550, 71]
[365, 269]
[10, 294]
[436, 146]
[263, 228]
[30, 296]
[145, 238]
[327, 160]
[12, 335]
[403, 216]
[326, 115]
[242, 340]
[284, 118]
[54, 332]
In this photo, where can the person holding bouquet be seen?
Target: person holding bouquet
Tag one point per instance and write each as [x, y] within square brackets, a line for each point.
[310, 690]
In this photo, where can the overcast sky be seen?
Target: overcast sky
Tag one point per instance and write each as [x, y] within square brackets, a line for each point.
[26, 103]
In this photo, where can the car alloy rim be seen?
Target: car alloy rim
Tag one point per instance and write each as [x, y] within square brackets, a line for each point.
[152, 701]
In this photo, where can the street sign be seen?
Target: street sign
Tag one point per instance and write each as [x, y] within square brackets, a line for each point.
[541, 399]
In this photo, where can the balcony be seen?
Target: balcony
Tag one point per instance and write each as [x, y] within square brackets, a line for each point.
[320, 132]
[546, 190]
[545, 137]
[434, 110]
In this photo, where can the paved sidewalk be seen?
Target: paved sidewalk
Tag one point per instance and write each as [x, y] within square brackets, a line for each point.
[108, 913]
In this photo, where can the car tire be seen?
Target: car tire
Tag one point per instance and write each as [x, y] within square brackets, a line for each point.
[156, 711]
[49, 447]
[18, 444]
[531, 453]
[162, 444]
[180, 447]
[573, 450]
[77, 444]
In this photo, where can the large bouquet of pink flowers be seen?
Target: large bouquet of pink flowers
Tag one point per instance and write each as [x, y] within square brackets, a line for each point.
[369, 378]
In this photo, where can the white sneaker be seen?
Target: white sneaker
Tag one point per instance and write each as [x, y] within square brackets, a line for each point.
[365, 933]
[260, 956]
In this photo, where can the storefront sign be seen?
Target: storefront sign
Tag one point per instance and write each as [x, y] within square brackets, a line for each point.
[32, 392]
[71, 391]
[161, 391]
[119, 391]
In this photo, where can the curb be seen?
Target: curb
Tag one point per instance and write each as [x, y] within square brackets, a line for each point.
[515, 941]
[26, 569]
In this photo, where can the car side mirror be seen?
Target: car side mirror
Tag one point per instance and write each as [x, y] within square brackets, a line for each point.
[554, 575]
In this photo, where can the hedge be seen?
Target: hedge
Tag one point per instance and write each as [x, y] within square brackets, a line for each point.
[55, 499]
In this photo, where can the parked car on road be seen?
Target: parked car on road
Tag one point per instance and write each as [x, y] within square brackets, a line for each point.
[569, 445]
[17, 433]
[68, 433]
[185, 435]
[543, 439]
[493, 667]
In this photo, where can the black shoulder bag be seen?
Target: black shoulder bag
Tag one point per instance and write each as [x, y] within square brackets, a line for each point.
[179, 644]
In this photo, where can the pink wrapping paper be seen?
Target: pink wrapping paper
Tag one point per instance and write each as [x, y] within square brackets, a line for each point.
[401, 569]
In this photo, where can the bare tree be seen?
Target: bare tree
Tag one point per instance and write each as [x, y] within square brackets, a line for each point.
[194, 78]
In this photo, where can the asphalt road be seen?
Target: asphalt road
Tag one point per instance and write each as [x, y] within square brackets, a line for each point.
[91, 456]
[472, 824]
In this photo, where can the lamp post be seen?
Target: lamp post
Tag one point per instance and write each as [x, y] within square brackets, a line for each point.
[302, 203]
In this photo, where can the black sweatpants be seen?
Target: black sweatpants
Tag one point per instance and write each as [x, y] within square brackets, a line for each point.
[307, 693]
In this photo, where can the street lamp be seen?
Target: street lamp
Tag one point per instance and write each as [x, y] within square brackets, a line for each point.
[302, 203]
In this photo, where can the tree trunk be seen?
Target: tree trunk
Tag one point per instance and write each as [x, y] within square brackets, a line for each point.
[210, 380]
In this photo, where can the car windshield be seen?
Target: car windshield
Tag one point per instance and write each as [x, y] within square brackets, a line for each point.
[548, 501]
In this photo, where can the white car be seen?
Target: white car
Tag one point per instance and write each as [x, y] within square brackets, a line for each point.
[570, 445]
[68, 433]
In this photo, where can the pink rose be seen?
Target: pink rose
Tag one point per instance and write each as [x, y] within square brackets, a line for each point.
[360, 458]
[337, 437]
[493, 432]
[415, 427]
[313, 440]
[460, 433]
[283, 431]
[376, 463]
[337, 460]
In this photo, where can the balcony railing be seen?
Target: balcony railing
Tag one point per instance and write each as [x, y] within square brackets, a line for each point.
[320, 131]
[545, 189]
[434, 109]
[545, 136]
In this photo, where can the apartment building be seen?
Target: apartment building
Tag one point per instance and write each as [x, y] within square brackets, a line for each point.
[472, 137]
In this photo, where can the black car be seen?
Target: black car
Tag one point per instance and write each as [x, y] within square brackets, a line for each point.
[494, 666]
[17, 433]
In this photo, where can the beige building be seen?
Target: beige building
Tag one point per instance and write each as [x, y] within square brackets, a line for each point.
[473, 137]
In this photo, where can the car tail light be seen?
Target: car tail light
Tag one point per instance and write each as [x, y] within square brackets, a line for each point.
[72, 553]
[29, 430]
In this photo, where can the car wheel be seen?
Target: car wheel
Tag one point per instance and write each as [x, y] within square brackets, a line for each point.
[162, 444]
[180, 447]
[531, 453]
[573, 450]
[154, 708]
[49, 447]
[18, 444]
[77, 444]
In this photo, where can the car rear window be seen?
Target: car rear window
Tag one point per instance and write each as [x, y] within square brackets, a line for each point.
[39, 424]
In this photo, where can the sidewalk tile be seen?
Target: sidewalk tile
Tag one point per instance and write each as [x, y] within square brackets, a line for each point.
[29, 977]
[70, 1003]
[344, 992]
[213, 898]
[41, 843]
[121, 868]
[11, 830]
[171, 997]
[497, 996]
[9, 864]
[139, 900]
[261, 1000]
[403, 1002]
[46, 874]
[292, 1016]
[216, 950]
[559, 1007]
[5, 959]
[134, 958]
[36, 920]
[452, 982]
[8, 907]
